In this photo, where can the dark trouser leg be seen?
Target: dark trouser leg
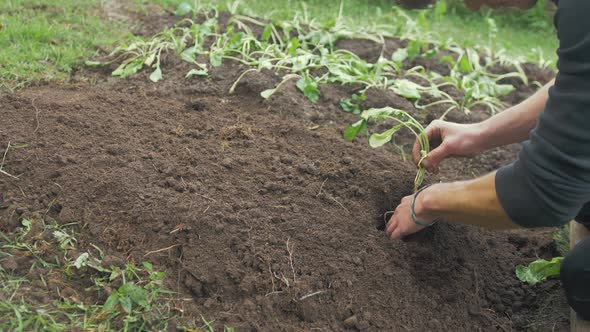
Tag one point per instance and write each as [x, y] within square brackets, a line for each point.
[583, 216]
[575, 278]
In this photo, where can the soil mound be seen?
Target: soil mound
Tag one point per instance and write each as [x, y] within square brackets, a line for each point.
[266, 216]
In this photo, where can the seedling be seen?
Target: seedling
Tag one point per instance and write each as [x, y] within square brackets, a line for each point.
[302, 48]
[353, 104]
[402, 120]
[539, 270]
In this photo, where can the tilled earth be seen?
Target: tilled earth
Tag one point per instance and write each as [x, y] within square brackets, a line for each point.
[269, 215]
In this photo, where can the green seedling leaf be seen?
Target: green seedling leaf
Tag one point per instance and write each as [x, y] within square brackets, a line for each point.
[266, 33]
[156, 75]
[82, 260]
[293, 46]
[26, 224]
[129, 68]
[407, 89]
[431, 53]
[400, 55]
[111, 302]
[183, 9]
[464, 65]
[309, 89]
[353, 104]
[137, 294]
[188, 55]
[377, 140]
[414, 49]
[354, 129]
[539, 270]
[126, 304]
[197, 72]
[215, 58]
[348, 106]
[440, 9]
[448, 59]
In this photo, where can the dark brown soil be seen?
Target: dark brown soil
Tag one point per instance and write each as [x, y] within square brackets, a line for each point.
[269, 214]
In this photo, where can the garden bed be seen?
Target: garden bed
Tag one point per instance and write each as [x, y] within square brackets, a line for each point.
[261, 214]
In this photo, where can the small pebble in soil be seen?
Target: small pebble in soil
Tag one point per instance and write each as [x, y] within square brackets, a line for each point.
[363, 325]
[351, 322]
[357, 260]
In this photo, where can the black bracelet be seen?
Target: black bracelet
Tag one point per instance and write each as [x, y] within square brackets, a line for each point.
[414, 217]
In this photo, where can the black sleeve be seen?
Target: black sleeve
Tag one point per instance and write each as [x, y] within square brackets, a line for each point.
[550, 181]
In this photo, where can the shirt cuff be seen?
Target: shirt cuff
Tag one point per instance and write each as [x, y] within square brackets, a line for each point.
[519, 199]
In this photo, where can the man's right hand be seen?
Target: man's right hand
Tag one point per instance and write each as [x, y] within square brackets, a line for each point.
[449, 139]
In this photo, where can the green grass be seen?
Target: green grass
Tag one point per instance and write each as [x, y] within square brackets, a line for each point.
[138, 300]
[562, 239]
[44, 40]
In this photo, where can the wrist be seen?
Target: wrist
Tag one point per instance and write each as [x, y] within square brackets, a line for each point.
[482, 136]
[427, 205]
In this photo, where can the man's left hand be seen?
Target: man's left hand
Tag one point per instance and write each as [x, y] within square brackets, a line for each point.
[401, 223]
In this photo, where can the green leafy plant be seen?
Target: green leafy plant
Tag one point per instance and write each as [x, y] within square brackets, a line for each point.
[353, 104]
[309, 88]
[402, 120]
[539, 270]
[305, 49]
[135, 301]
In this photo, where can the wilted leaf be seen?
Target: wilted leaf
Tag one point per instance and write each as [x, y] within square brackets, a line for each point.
[379, 113]
[539, 270]
[406, 89]
[150, 59]
[82, 260]
[267, 93]
[196, 72]
[215, 58]
[188, 55]
[156, 75]
[129, 68]
[400, 55]
[377, 140]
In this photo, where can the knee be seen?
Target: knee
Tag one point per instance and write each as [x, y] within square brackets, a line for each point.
[575, 274]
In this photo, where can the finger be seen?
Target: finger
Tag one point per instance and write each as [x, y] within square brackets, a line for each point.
[397, 234]
[434, 133]
[391, 225]
[435, 157]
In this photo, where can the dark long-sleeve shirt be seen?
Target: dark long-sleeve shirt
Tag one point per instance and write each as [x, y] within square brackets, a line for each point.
[550, 181]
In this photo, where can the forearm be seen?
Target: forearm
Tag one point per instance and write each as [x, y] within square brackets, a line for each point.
[471, 202]
[514, 124]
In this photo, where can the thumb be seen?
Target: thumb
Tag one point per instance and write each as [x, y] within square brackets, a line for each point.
[434, 157]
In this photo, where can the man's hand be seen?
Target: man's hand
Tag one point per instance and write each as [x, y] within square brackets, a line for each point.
[449, 139]
[465, 202]
[401, 223]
